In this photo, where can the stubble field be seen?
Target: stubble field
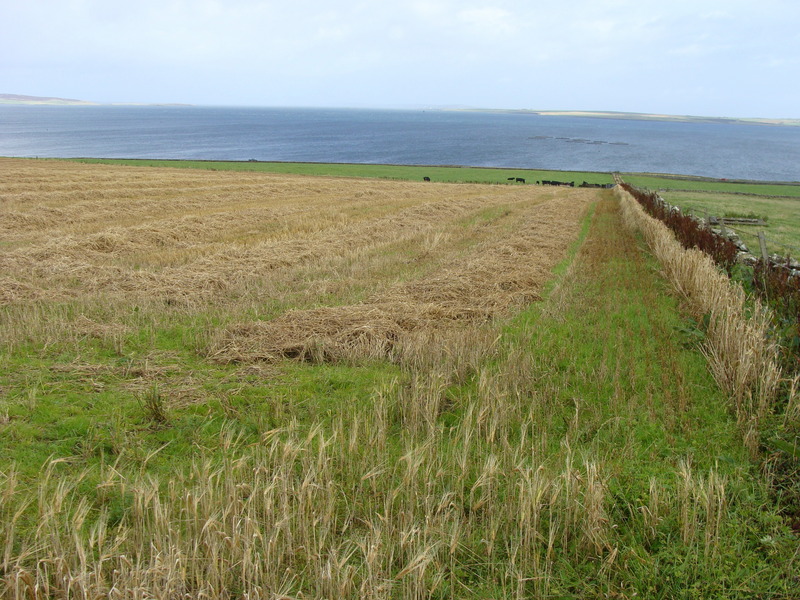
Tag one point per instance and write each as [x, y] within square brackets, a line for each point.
[220, 384]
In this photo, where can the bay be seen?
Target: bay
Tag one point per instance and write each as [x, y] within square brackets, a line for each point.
[418, 137]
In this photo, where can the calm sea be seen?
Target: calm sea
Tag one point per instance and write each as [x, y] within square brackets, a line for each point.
[402, 137]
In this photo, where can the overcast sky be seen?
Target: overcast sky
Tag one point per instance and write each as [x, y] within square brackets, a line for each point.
[737, 58]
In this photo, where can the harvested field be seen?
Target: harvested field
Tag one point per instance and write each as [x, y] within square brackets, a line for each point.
[219, 385]
[505, 271]
[323, 262]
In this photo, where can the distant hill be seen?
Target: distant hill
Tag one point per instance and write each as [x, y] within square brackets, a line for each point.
[22, 99]
[598, 114]
[657, 117]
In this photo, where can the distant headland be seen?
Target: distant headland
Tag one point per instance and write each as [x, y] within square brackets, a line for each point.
[632, 116]
[53, 101]
[22, 99]
[595, 114]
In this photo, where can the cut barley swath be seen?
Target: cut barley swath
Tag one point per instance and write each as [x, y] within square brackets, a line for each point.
[196, 240]
[505, 271]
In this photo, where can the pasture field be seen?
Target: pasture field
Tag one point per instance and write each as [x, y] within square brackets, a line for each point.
[257, 385]
[449, 174]
[776, 203]
[780, 215]
[688, 183]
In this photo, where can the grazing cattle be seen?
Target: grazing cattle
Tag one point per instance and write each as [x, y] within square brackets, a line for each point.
[426, 179]
[520, 180]
[601, 186]
[564, 183]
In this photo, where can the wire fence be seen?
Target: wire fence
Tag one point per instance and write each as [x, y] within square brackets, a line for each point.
[789, 249]
[761, 241]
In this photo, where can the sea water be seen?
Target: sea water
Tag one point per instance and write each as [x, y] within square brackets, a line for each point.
[418, 137]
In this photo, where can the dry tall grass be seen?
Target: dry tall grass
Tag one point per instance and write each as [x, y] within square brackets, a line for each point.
[324, 512]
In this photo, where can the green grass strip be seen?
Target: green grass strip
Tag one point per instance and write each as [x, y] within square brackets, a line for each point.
[449, 174]
[620, 381]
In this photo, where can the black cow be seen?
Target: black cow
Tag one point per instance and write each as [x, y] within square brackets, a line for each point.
[426, 179]
[520, 180]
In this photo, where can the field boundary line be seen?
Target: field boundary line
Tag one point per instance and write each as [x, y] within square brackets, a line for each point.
[742, 356]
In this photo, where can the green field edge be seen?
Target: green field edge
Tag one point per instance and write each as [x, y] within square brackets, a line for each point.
[436, 173]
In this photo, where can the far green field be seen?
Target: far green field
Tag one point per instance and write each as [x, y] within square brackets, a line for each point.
[781, 216]
[705, 184]
[777, 204]
[448, 174]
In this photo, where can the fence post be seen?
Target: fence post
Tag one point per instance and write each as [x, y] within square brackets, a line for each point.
[762, 242]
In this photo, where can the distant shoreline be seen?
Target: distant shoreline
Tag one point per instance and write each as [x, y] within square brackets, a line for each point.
[20, 99]
[631, 116]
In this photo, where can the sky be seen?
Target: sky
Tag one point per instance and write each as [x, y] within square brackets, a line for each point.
[731, 58]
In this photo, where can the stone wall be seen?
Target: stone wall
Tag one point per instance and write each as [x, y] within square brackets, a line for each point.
[746, 255]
